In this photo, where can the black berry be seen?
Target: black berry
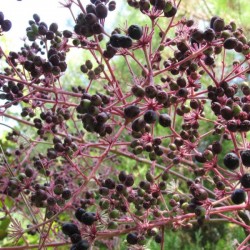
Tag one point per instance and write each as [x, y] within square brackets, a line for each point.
[230, 43]
[245, 157]
[88, 218]
[231, 161]
[150, 116]
[6, 25]
[70, 228]
[245, 180]
[135, 32]
[101, 11]
[165, 120]
[78, 213]
[82, 245]
[131, 111]
[132, 238]
[238, 196]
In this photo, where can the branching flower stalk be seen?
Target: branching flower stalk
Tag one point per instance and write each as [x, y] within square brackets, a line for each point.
[154, 138]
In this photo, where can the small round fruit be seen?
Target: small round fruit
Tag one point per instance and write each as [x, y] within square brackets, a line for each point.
[75, 238]
[216, 147]
[150, 116]
[79, 212]
[231, 161]
[138, 91]
[165, 120]
[1, 17]
[88, 218]
[6, 25]
[66, 194]
[138, 124]
[101, 11]
[82, 245]
[245, 180]
[218, 25]
[132, 238]
[115, 40]
[230, 43]
[238, 196]
[122, 176]
[245, 157]
[135, 32]
[131, 111]
[125, 42]
[158, 238]
[129, 181]
[70, 228]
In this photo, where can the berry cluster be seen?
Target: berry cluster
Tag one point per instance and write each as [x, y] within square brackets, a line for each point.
[65, 160]
[91, 114]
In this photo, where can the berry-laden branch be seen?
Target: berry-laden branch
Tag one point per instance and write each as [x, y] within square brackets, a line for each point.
[155, 137]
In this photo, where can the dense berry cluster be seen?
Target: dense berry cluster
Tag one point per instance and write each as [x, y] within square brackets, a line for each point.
[149, 132]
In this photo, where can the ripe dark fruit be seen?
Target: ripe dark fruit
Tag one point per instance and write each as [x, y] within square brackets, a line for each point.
[122, 176]
[138, 91]
[132, 238]
[218, 25]
[109, 183]
[117, 40]
[131, 111]
[151, 91]
[216, 147]
[230, 43]
[162, 97]
[53, 27]
[231, 161]
[88, 218]
[135, 32]
[125, 42]
[150, 116]
[36, 18]
[171, 13]
[129, 181]
[165, 120]
[209, 35]
[138, 124]
[232, 125]
[1, 17]
[212, 21]
[245, 180]
[66, 194]
[81, 245]
[227, 113]
[79, 212]
[101, 11]
[70, 228]
[197, 35]
[245, 157]
[104, 191]
[75, 238]
[158, 238]
[238, 196]
[6, 25]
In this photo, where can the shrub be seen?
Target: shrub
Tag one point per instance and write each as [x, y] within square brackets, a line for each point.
[67, 167]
